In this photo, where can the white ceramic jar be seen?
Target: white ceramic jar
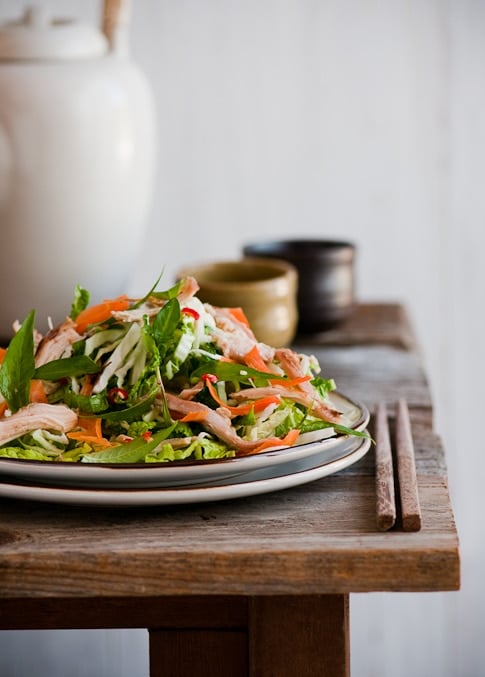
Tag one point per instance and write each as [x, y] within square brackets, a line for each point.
[77, 160]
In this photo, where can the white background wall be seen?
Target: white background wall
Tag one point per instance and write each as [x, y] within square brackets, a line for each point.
[358, 119]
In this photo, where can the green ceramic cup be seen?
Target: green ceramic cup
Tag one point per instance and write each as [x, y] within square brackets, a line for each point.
[266, 290]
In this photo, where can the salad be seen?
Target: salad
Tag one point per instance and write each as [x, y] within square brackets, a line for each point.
[157, 379]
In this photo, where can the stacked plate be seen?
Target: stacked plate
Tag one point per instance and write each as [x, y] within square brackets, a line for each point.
[189, 482]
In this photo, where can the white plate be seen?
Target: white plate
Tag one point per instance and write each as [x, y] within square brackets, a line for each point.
[174, 496]
[188, 473]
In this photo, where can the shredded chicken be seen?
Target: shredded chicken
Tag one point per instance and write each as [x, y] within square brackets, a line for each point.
[310, 400]
[57, 343]
[37, 416]
[136, 314]
[216, 422]
[291, 364]
[234, 338]
[37, 335]
[189, 288]
[152, 306]
[190, 393]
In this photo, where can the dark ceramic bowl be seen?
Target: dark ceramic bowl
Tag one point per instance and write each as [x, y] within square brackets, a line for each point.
[325, 278]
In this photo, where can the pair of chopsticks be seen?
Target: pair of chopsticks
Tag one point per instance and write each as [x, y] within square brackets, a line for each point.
[406, 485]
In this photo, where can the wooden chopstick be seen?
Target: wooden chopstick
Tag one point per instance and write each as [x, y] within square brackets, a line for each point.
[406, 470]
[386, 512]
[385, 497]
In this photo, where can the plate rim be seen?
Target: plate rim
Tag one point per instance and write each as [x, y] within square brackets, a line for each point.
[88, 496]
[173, 472]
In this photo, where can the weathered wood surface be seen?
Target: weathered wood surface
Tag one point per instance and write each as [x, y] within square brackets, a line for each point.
[317, 538]
[384, 471]
[369, 324]
[320, 538]
[406, 470]
[374, 373]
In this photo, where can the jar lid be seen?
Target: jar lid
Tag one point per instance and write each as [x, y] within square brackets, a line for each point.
[38, 36]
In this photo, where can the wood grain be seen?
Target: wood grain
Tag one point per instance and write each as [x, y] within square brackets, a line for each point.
[369, 324]
[299, 636]
[319, 538]
[385, 494]
[164, 612]
[374, 373]
[200, 652]
[408, 485]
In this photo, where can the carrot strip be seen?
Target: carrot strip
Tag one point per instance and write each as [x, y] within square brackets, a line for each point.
[287, 441]
[91, 432]
[215, 395]
[262, 403]
[290, 382]
[254, 360]
[257, 405]
[242, 409]
[100, 312]
[193, 416]
[239, 315]
[81, 436]
[37, 391]
[3, 352]
[87, 386]
[91, 425]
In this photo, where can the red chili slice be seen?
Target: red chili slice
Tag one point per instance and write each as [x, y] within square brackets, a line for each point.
[191, 311]
[211, 378]
[117, 395]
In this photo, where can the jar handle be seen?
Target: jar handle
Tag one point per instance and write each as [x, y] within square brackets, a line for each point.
[116, 19]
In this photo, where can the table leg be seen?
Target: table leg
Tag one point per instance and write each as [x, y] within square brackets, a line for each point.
[301, 636]
[198, 653]
[284, 636]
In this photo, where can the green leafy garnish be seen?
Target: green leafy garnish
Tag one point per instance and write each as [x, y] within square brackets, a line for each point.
[67, 367]
[18, 366]
[231, 371]
[131, 413]
[149, 293]
[168, 294]
[165, 295]
[131, 452]
[166, 322]
[80, 302]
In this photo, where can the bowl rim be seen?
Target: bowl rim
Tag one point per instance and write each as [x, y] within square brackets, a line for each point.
[300, 248]
[279, 268]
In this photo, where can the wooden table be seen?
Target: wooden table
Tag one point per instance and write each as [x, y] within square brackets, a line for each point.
[256, 586]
